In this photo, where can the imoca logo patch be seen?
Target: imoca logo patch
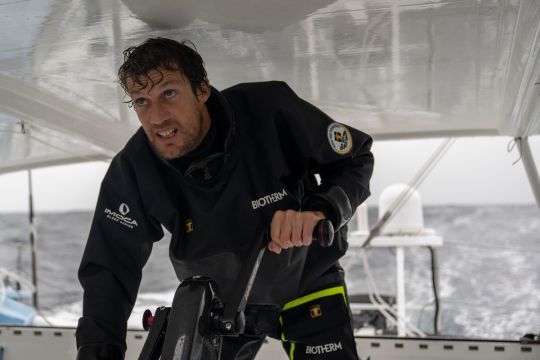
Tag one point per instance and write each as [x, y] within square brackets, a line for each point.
[121, 216]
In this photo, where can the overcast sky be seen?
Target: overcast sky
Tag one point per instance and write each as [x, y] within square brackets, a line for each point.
[474, 171]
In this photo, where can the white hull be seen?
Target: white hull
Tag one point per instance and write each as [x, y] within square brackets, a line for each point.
[46, 343]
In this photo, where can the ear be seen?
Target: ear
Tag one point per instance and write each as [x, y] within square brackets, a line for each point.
[204, 92]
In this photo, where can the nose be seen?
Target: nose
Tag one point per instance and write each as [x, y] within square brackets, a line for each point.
[159, 115]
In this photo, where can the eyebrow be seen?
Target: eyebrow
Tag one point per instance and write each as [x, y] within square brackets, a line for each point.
[163, 83]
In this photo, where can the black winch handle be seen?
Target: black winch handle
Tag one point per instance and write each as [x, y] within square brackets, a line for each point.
[323, 234]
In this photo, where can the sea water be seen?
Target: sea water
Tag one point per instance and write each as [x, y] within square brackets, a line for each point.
[489, 269]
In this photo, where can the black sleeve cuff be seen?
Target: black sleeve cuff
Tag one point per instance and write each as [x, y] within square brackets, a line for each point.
[333, 203]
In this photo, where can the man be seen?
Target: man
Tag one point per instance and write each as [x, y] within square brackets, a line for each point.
[212, 167]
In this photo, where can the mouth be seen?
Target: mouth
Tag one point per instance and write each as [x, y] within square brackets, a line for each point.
[166, 134]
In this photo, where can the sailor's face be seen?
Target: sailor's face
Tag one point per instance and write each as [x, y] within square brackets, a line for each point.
[172, 116]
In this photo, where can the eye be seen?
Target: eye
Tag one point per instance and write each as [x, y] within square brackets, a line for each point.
[140, 102]
[169, 93]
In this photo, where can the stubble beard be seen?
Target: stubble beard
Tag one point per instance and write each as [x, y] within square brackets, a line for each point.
[190, 141]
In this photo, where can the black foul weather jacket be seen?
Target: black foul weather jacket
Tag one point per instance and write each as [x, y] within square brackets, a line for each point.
[273, 145]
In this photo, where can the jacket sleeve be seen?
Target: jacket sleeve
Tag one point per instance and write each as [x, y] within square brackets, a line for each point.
[118, 246]
[317, 144]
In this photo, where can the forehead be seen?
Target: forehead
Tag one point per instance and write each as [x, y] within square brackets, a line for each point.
[145, 83]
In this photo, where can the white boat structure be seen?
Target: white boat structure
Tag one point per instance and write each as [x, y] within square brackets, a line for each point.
[14, 289]
[400, 69]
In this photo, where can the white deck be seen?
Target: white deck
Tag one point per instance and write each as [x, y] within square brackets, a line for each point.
[25, 343]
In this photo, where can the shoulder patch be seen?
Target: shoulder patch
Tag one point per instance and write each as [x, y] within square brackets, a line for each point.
[339, 138]
[121, 216]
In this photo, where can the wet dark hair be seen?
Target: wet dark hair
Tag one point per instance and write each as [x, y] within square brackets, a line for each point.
[161, 53]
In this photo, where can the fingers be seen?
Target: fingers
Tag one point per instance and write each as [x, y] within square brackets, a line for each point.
[296, 231]
[272, 246]
[281, 228]
[275, 227]
[292, 228]
[307, 231]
